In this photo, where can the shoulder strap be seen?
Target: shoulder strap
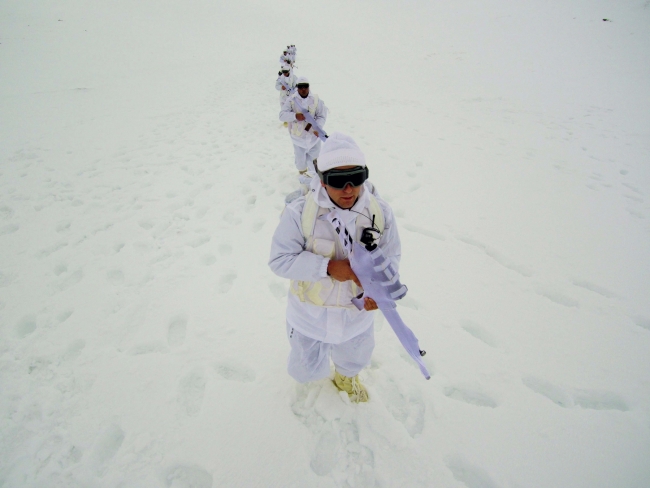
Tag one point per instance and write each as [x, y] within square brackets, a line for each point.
[309, 215]
[314, 105]
[311, 208]
[375, 209]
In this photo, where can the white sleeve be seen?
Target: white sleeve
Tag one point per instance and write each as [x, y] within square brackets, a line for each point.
[288, 256]
[286, 113]
[390, 243]
[321, 113]
[278, 84]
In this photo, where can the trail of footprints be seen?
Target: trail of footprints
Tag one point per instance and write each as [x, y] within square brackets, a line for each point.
[338, 428]
[569, 397]
[552, 293]
[563, 397]
[337, 453]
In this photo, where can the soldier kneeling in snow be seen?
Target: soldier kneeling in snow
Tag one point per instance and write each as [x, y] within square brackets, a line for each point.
[322, 321]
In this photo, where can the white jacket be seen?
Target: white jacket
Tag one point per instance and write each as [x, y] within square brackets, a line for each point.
[316, 107]
[337, 320]
[289, 81]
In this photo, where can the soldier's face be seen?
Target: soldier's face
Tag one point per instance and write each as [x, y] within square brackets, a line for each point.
[345, 198]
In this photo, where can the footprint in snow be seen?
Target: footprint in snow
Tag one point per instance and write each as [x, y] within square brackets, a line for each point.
[635, 213]
[338, 452]
[73, 350]
[191, 389]
[64, 315]
[69, 456]
[234, 372]
[148, 348]
[325, 453]
[146, 224]
[25, 326]
[7, 279]
[105, 448]
[6, 212]
[567, 398]
[633, 188]
[278, 290]
[407, 407]
[643, 322]
[68, 281]
[470, 395]
[226, 281]
[208, 259]
[468, 474]
[8, 229]
[409, 302]
[115, 277]
[187, 477]
[231, 219]
[479, 332]
[258, 225]
[45, 252]
[225, 249]
[556, 296]
[198, 241]
[496, 256]
[176, 331]
[424, 232]
[200, 212]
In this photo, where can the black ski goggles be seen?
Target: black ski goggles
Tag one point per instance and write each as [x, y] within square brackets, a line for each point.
[340, 178]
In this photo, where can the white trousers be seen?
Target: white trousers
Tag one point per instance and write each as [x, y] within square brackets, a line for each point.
[309, 359]
[304, 157]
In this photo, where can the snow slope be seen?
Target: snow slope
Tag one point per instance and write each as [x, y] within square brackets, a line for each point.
[142, 171]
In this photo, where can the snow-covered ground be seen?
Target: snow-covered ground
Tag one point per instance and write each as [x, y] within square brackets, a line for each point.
[142, 172]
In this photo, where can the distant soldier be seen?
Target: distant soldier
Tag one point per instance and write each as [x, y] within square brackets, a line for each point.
[286, 58]
[305, 138]
[286, 83]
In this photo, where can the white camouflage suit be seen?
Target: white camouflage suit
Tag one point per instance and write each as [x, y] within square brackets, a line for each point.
[287, 81]
[334, 328]
[306, 146]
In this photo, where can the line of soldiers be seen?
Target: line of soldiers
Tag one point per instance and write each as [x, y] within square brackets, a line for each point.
[288, 55]
[328, 317]
[303, 113]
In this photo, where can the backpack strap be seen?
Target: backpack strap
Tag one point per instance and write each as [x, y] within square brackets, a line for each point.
[308, 218]
[314, 105]
[377, 212]
[311, 209]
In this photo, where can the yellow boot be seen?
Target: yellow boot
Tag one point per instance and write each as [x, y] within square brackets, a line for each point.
[352, 386]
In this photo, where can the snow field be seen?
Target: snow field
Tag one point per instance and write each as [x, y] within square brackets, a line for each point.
[142, 171]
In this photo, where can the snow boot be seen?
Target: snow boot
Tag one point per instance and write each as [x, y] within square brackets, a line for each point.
[352, 386]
